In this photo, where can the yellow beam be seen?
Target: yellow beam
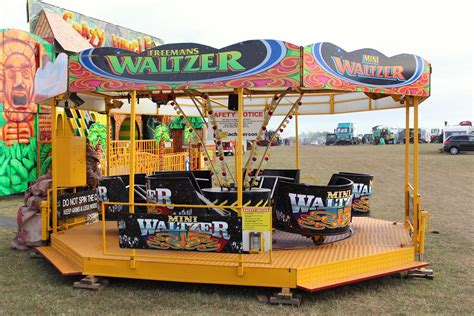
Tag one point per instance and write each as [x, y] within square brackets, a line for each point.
[131, 191]
[423, 219]
[407, 162]
[331, 104]
[107, 149]
[192, 273]
[238, 165]
[297, 145]
[131, 187]
[416, 215]
[54, 168]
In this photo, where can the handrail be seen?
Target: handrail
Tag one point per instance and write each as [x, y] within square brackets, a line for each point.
[146, 162]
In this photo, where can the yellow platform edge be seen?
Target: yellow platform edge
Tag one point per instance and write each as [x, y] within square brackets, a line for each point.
[315, 286]
[357, 269]
[69, 261]
[59, 261]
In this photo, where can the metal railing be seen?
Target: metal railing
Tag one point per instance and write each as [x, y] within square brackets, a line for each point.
[174, 162]
[416, 220]
[148, 158]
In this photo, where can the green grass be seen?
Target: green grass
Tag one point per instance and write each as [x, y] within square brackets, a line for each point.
[9, 205]
[33, 286]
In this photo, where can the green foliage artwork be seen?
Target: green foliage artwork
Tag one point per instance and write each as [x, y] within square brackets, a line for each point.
[162, 133]
[45, 158]
[189, 137]
[17, 166]
[97, 132]
[180, 123]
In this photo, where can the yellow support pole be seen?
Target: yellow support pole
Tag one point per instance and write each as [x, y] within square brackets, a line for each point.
[131, 190]
[131, 187]
[423, 218]
[238, 165]
[416, 215]
[107, 149]
[297, 140]
[54, 184]
[407, 163]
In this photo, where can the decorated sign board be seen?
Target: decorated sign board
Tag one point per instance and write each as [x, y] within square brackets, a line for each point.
[362, 190]
[262, 64]
[173, 188]
[250, 64]
[314, 210]
[327, 66]
[181, 232]
[227, 234]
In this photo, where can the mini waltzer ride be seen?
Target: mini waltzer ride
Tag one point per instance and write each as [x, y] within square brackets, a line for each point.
[250, 225]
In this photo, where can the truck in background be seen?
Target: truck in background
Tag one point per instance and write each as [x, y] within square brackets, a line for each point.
[457, 130]
[388, 134]
[346, 134]
[435, 135]
[423, 136]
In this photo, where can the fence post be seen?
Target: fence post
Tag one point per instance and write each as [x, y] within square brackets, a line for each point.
[161, 156]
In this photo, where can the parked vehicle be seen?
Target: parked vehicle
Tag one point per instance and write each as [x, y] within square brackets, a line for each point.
[331, 139]
[228, 148]
[388, 134]
[422, 136]
[346, 134]
[367, 139]
[458, 143]
[436, 135]
[268, 136]
[452, 130]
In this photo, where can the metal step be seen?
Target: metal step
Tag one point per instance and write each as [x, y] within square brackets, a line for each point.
[60, 262]
[319, 286]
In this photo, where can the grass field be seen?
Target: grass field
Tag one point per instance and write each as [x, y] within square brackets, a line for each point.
[446, 185]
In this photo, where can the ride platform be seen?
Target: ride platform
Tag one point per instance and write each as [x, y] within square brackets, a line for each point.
[375, 249]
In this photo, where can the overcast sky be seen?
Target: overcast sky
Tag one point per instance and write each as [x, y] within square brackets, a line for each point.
[439, 31]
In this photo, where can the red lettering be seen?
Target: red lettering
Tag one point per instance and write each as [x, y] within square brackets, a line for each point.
[379, 71]
[387, 70]
[397, 73]
[343, 67]
[358, 69]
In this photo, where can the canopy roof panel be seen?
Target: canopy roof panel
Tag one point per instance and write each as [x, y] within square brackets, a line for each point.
[51, 25]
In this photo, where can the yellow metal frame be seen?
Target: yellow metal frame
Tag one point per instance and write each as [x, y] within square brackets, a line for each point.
[311, 277]
[351, 260]
[414, 216]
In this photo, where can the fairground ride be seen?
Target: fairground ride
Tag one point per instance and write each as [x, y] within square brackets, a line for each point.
[246, 226]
